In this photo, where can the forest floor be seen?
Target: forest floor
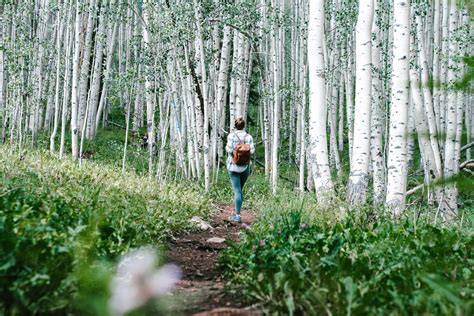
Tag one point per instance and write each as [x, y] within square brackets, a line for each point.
[201, 290]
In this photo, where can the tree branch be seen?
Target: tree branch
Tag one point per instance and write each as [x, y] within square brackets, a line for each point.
[467, 146]
[465, 164]
[415, 189]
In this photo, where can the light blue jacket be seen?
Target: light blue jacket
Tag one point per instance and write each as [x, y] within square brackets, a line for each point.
[232, 141]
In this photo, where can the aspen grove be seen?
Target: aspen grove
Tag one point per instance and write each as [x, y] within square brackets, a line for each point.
[355, 107]
[322, 82]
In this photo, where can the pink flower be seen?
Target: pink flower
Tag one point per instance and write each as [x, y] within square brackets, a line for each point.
[137, 281]
[246, 227]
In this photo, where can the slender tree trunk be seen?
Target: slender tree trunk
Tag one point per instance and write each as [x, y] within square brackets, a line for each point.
[197, 12]
[149, 91]
[451, 161]
[85, 65]
[397, 152]
[318, 109]
[376, 138]
[359, 176]
[68, 45]
[58, 81]
[276, 108]
[75, 82]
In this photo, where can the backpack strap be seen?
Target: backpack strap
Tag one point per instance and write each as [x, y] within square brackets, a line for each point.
[240, 140]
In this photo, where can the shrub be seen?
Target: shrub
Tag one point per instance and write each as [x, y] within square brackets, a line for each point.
[289, 266]
[55, 215]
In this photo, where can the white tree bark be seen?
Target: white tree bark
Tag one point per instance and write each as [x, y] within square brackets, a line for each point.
[96, 76]
[276, 109]
[397, 151]
[58, 81]
[68, 45]
[377, 151]
[451, 161]
[359, 176]
[75, 82]
[149, 91]
[428, 99]
[85, 65]
[200, 41]
[317, 104]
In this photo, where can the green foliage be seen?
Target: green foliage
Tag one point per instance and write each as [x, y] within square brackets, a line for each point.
[290, 263]
[56, 218]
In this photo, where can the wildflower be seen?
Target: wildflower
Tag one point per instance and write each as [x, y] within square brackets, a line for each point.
[262, 242]
[304, 226]
[137, 281]
[246, 227]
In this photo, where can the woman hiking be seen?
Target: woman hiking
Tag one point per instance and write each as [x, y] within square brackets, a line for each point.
[239, 149]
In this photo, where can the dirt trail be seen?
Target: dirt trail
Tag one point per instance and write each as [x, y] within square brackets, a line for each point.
[200, 292]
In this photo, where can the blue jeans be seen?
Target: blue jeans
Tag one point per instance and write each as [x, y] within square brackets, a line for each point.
[238, 181]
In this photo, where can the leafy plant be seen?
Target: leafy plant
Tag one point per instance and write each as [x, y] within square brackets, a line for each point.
[56, 218]
[290, 264]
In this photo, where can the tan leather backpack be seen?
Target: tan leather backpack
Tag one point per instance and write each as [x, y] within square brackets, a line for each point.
[241, 155]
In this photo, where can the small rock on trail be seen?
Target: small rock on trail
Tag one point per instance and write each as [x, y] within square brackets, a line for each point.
[200, 223]
[200, 292]
[216, 240]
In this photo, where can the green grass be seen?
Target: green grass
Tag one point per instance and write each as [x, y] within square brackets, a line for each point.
[300, 259]
[58, 218]
[83, 218]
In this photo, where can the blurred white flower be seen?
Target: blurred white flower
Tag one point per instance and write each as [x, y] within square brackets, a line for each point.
[137, 280]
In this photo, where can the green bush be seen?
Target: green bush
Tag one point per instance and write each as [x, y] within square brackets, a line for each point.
[55, 215]
[289, 265]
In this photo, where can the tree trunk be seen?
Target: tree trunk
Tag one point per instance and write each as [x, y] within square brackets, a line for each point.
[359, 176]
[75, 82]
[397, 151]
[317, 104]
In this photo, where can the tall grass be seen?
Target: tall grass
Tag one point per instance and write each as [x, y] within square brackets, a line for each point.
[57, 217]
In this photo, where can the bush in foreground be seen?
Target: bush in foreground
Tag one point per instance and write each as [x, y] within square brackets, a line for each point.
[55, 216]
[288, 266]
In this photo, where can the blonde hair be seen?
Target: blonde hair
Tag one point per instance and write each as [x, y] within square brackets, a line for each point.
[239, 122]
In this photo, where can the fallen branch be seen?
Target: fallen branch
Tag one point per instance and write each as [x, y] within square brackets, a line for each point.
[115, 124]
[467, 146]
[465, 164]
[418, 187]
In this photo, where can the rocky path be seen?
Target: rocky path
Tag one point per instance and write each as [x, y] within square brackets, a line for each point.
[200, 292]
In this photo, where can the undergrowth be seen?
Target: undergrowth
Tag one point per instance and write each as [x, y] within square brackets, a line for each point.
[56, 217]
[296, 260]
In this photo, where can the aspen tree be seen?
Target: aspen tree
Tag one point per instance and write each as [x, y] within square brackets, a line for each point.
[94, 89]
[451, 162]
[38, 78]
[200, 42]
[317, 104]
[85, 64]
[427, 97]
[111, 39]
[68, 45]
[3, 106]
[443, 76]
[222, 78]
[358, 179]
[59, 34]
[436, 61]
[150, 96]
[377, 110]
[75, 82]
[427, 155]
[274, 38]
[397, 147]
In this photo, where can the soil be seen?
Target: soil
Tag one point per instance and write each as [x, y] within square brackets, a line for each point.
[201, 290]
